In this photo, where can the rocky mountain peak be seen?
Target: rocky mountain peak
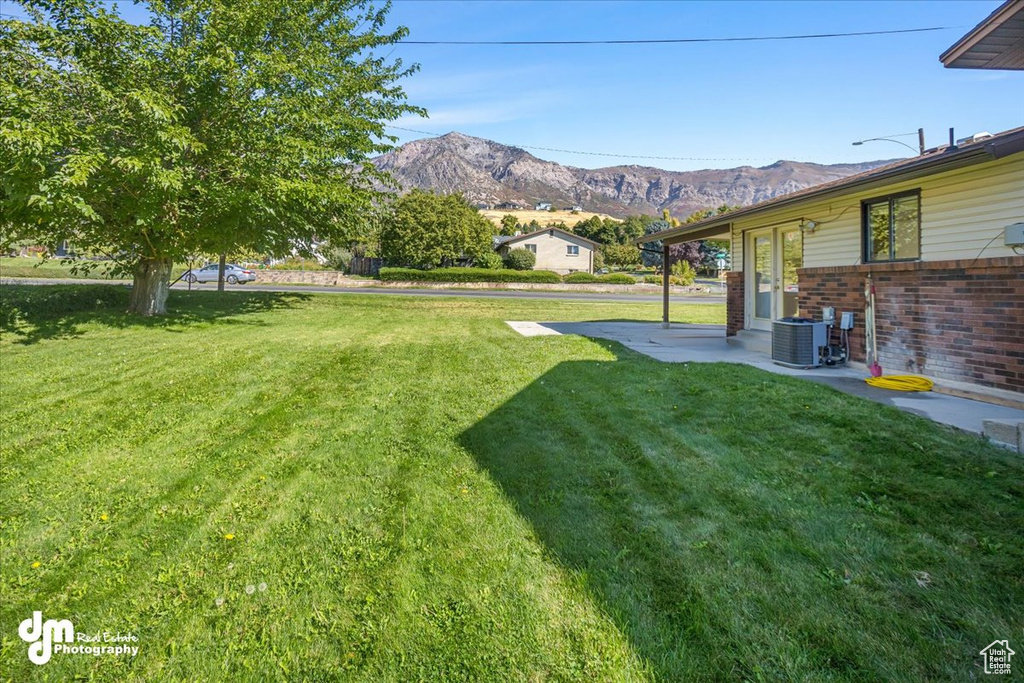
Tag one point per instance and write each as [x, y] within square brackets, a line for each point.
[489, 172]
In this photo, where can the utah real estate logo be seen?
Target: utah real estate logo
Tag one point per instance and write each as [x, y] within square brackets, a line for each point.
[45, 638]
[997, 657]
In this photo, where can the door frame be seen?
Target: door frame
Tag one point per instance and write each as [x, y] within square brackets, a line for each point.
[752, 322]
[777, 234]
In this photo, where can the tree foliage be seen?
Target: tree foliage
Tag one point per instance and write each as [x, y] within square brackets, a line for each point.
[611, 231]
[426, 230]
[682, 273]
[622, 255]
[509, 224]
[651, 256]
[220, 126]
[490, 260]
[691, 253]
[520, 259]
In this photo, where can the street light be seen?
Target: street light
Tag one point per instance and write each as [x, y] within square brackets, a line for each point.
[889, 138]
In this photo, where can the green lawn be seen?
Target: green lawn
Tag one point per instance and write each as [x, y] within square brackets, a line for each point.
[270, 486]
[51, 268]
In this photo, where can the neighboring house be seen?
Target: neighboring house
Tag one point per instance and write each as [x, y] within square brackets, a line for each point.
[556, 249]
[928, 231]
[509, 205]
[542, 206]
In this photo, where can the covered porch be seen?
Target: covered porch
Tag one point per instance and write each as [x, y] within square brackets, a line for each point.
[763, 285]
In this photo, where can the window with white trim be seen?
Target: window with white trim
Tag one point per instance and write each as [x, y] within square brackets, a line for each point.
[531, 247]
[572, 250]
[892, 227]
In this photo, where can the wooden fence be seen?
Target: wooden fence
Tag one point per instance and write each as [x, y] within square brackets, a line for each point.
[364, 265]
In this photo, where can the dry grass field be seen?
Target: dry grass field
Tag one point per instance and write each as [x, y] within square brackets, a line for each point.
[542, 217]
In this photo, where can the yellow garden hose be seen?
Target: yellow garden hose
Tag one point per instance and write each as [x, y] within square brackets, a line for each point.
[901, 383]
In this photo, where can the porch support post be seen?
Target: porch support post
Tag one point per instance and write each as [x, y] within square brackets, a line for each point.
[665, 273]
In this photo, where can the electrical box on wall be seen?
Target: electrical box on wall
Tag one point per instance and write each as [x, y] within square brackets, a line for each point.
[1013, 235]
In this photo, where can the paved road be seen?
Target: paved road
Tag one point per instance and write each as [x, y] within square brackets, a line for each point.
[485, 293]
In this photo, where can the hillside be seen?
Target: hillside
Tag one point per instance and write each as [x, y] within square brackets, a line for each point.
[489, 172]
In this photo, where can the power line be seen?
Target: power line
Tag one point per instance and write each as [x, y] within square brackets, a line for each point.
[665, 41]
[599, 154]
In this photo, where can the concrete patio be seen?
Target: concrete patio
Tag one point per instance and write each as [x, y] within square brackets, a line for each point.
[684, 343]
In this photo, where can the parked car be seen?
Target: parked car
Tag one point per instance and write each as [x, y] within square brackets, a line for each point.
[233, 274]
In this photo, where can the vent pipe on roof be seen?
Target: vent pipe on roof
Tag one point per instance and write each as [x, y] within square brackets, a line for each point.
[920, 140]
[952, 140]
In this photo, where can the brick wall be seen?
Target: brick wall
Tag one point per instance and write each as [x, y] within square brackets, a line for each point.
[956, 320]
[733, 303]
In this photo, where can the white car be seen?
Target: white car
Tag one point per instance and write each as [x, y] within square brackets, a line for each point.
[233, 275]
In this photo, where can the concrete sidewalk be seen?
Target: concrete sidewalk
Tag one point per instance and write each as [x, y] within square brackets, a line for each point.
[707, 344]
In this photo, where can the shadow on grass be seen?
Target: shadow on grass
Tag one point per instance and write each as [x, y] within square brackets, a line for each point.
[31, 313]
[739, 525]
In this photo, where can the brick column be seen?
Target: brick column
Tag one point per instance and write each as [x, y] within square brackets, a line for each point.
[733, 303]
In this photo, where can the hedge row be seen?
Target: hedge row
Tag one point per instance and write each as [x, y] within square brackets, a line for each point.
[503, 275]
[467, 275]
[617, 279]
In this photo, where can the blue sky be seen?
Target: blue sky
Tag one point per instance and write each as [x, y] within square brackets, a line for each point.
[745, 103]
[725, 104]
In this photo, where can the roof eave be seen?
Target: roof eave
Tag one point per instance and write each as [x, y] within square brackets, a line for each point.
[925, 166]
[979, 32]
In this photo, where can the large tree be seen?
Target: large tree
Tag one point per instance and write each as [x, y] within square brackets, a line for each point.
[220, 126]
[427, 230]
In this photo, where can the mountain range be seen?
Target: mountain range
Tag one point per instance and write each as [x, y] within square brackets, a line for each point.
[487, 172]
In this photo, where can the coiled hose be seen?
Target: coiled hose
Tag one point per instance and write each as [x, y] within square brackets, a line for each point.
[901, 383]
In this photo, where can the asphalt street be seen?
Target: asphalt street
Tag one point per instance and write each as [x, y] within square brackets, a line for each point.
[478, 293]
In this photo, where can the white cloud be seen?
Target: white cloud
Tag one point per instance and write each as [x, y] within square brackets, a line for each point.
[487, 108]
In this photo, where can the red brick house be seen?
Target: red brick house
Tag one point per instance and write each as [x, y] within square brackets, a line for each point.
[930, 232]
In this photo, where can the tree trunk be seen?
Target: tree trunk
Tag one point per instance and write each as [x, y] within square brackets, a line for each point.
[150, 285]
[220, 272]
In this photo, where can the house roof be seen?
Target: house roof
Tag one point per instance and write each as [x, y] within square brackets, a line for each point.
[996, 43]
[932, 162]
[519, 238]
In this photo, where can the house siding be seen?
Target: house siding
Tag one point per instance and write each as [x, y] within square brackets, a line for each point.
[957, 313]
[551, 252]
[963, 213]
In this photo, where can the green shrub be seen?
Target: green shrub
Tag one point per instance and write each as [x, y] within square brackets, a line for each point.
[520, 259]
[617, 279]
[652, 279]
[490, 261]
[338, 258]
[580, 278]
[467, 275]
[683, 273]
[598, 259]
